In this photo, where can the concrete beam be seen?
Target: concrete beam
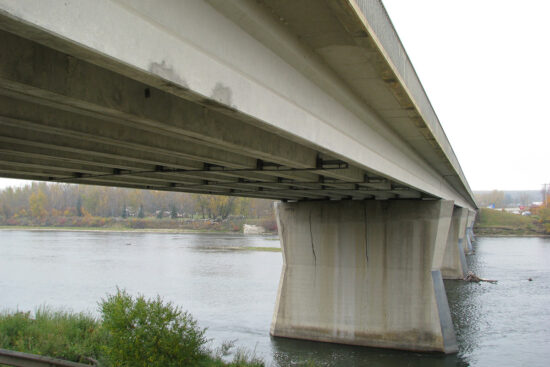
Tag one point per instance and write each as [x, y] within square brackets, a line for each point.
[43, 119]
[19, 171]
[81, 87]
[183, 124]
[16, 136]
[177, 50]
[364, 273]
[60, 157]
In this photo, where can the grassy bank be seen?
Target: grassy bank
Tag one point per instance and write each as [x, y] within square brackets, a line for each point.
[492, 222]
[132, 331]
[69, 336]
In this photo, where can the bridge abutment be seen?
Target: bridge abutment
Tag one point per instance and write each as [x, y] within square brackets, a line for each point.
[365, 273]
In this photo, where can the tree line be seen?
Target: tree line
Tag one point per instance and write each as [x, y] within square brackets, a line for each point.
[40, 199]
[509, 198]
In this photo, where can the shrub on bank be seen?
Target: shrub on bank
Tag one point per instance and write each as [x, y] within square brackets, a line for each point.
[133, 332]
[148, 332]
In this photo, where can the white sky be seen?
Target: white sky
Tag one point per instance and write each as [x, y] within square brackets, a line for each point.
[485, 65]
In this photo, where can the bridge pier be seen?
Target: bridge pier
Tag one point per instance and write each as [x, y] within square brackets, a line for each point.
[362, 273]
[468, 231]
[454, 260]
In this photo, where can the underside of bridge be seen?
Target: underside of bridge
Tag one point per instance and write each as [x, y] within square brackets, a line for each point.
[66, 120]
[310, 102]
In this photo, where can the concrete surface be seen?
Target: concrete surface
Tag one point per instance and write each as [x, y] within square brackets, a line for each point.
[197, 72]
[314, 102]
[454, 264]
[360, 272]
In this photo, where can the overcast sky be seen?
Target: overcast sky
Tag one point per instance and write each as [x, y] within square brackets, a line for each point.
[485, 66]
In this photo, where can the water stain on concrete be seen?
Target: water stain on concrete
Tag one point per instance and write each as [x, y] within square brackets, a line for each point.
[222, 94]
[167, 72]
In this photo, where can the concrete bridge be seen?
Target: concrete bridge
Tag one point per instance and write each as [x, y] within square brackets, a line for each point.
[313, 103]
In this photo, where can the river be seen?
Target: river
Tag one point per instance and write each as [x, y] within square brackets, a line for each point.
[232, 293]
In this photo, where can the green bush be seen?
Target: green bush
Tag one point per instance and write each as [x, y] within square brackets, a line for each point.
[149, 332]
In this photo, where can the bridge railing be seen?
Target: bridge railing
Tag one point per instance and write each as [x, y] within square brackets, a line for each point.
[19, 359]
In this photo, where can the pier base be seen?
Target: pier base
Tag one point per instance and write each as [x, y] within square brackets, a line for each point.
[362, 273]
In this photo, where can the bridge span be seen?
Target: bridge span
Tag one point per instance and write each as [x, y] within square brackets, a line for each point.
[313, 103]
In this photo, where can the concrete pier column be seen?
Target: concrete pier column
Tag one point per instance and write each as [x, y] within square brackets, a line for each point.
[470, 230]
[454, 260]
[463, 231]
[362, 272]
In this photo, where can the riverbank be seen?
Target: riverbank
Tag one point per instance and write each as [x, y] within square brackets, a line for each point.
[496, 223]
[133, 331]
[147, 225]
[113, 229]
[235, 224]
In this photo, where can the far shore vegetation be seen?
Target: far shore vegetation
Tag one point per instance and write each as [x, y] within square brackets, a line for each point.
[61, 206]
[73, 207]
[491, 222]
[519, 213]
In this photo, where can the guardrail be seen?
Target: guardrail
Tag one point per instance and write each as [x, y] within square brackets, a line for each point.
[19, 359]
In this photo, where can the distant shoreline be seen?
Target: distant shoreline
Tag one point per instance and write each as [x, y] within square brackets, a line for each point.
[120, 230]
[513, 235]
[197, 231]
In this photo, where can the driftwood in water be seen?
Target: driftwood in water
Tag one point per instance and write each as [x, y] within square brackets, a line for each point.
[471, 277]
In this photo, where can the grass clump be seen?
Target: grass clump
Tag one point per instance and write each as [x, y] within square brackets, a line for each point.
[59, 334]
[132, 332]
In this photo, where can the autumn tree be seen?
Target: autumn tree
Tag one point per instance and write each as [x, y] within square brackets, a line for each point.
[37, 204]
[71, 199]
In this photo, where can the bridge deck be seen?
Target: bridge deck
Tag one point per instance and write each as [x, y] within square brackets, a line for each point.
[310, 107]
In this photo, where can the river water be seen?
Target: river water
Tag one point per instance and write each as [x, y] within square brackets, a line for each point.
[232, 293]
